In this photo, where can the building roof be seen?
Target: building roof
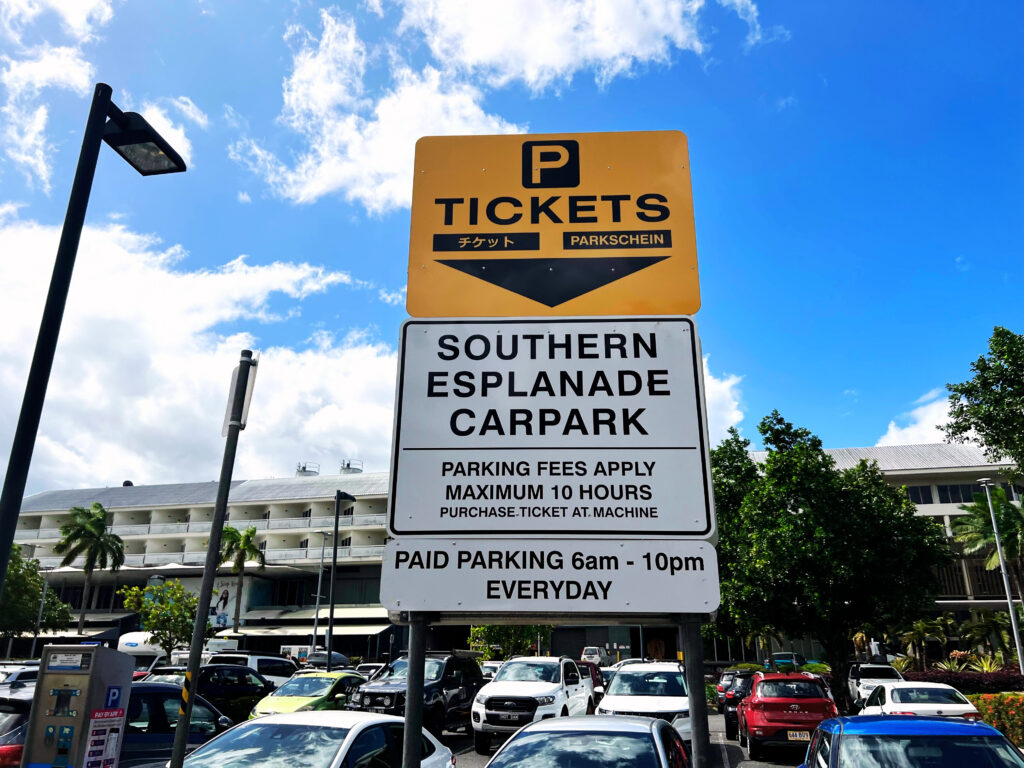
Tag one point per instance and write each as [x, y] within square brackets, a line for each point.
[896, 458]
[191, 494]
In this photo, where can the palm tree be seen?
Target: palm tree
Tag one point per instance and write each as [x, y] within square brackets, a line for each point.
[86, 534]
[987, 627]
[239, 548]
[974, 531]
[917, 636]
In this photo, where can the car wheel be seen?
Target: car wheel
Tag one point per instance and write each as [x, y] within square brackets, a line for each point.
[754, 749]
[731, 731]
[435, 722]
[481, 742]
[590, 706]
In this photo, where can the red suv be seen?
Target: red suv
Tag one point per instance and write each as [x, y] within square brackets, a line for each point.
[782, 708]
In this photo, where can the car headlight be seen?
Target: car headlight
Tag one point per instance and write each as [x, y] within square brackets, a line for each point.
[542, 700]
[387, 701]
[602, 711]
[481, 699]
[357, 697]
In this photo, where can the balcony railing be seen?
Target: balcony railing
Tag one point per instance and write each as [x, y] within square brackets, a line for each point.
[162, 558]
[26, 534]
[129, 530]
[313, 553]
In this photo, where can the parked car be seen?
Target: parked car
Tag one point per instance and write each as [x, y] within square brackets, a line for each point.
[276, 669]
[18, 673]
[311, 690]
[909, 742]
[592, 672]
[738, 690]
[724, 681]
[152, 716]
[650, 690]
[566, 742]
[232, 689]
[319, 659]
[788, 659]
[14, 713]
[936, 699]
[864, 677]
[173, 674]
[490, 669]
[596, 655]
[317, 740]
[525, 689]
[368, 670]
[782, 708]
[451, 680]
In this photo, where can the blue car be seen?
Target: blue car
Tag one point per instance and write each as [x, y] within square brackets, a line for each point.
[909, 741]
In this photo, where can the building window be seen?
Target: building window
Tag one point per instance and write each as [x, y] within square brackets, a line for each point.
[1013, 492]
[266, 515]
[263, 546]
[304, 544]
[308, 513]
[958, 494]
[346, 542]
[920, 494]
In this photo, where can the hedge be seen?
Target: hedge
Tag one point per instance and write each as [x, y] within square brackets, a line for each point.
[971, 682]
[1003, 711]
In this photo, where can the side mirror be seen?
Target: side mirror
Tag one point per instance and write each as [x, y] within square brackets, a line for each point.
[572, 679]
[223, 723]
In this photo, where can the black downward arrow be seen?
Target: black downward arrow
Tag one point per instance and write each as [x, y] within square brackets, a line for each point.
[552, 281]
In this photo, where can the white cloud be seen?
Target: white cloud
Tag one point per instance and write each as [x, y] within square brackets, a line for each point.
[921, 424]
[355, 147]
[140, 380]
[190, 111]
[722, 396]
[79, 18]
[173, 132]
[785, 103]
[540, 42]
[24, 121]
[394, 298]
[243, 197]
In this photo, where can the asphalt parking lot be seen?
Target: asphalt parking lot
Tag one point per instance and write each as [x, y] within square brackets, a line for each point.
[724, 754]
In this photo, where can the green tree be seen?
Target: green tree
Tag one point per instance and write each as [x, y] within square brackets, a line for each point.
[989, 630]
[916, 639]
[86, 535]
[166, 610]
[988, 409]
[501, 641]
[23, 591]
[826, 552]
[238, 548]
[974, 531]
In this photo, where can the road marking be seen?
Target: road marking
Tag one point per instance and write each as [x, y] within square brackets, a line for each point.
[719, 738]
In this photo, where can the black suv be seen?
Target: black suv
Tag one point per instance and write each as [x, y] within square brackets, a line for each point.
[739, 689]
[451, 680]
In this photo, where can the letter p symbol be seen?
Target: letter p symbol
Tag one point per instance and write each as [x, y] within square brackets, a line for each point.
[551, 164]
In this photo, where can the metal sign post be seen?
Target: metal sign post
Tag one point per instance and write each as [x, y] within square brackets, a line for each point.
[412, 746]
[235, 423]
[693, 654]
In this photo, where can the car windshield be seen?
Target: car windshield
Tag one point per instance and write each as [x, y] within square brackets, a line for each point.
[591, 652]
[11, 720]
[270, 745]
[928, 696]
[306, 686]
[577, 749]
[399, 670]
[175, 678]
[628, 682]
[535, 671]
[879, 673]
[790, 689]
[932, 751]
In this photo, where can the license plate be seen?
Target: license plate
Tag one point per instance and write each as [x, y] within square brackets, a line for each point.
[798, 735]
[507, 716]
[377, 709]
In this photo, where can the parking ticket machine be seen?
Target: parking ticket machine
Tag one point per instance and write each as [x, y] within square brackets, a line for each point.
[78, 711]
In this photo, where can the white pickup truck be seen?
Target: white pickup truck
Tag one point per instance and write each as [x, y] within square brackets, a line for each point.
[526, 689]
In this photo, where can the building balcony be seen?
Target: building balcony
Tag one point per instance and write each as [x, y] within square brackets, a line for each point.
[313, 554]
[26, 534]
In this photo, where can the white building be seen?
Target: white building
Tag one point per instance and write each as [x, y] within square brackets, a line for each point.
[166, 527]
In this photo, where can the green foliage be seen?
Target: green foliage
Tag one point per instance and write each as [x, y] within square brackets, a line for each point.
[167, 610]
[817, 668]
[23, 591]
[984, 663]
[711, 694]
[989, 630]
[86, 535]
[499, 641]
[902, 663]
[748, 665]
[238, 548]
[951, 665]
[916, 638]
[826, 552]
[1004, 712]
[988, 409]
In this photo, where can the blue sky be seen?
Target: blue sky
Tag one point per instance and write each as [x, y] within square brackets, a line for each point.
[856, 177]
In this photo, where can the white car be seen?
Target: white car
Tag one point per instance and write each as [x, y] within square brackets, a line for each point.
[595, 655]
[865, 677]
[906, 698]
[650, 690]
[526, 689]
[315, 740]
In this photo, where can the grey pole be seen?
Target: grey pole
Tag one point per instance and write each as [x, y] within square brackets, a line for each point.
[220, 509]
[49, 328]
[339, 496]
[39, 618]
[319, 583]
[693, 654]
[412, 747]
[986, 482]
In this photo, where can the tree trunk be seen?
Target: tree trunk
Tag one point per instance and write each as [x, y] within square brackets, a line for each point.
[86, 589]
[238, 596]
[837, 657]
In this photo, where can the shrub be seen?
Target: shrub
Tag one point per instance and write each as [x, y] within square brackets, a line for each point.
[1004, 712]
[748, 665]
[971, 682]
[711, 694]
[816, 668]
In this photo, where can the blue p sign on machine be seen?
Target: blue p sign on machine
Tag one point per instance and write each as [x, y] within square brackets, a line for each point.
[113, 696]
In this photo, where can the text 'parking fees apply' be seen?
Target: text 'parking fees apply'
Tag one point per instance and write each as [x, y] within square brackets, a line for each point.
[576, 425]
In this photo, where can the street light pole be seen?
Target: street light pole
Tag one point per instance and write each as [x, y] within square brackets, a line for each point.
[339, 496]
[148, 153]
[319, 582]
[985, 483]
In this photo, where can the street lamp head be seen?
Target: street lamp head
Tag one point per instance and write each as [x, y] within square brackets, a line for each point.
[342, 496]
[138, 142]
[983, 481]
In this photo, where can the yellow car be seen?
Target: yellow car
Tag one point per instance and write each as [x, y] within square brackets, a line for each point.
[311, 690]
